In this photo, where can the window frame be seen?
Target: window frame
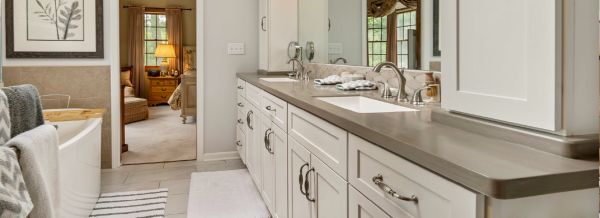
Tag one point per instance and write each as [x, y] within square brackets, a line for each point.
[156, 39]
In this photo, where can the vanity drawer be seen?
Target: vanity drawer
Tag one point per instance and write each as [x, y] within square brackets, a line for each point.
[326, 141]
[166, 89]
[240, 143]
[165, 82]
[241, 120]
[160, 96]
[361, 207]
[241, 103]
[436, 196]
[274, 109]
[253, 94]
[241, 86]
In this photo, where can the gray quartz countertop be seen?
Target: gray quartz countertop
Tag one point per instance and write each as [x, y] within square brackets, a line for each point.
[491, 166]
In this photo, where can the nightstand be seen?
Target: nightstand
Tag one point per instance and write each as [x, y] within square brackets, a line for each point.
[161, 89]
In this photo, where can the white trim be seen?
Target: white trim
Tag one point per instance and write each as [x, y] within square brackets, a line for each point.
[115, 94]
[115, 70]
[200, 75]
[230, 155]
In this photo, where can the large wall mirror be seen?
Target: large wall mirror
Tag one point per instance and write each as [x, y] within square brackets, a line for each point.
[367, 32]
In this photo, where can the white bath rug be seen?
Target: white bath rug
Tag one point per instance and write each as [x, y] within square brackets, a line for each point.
[149, 203]
[225, 194]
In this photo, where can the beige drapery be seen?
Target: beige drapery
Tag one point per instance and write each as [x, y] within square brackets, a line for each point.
[175, 37]
[136, 51]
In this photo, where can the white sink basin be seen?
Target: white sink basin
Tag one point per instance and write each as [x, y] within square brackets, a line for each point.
[361, 104]
[279, 80]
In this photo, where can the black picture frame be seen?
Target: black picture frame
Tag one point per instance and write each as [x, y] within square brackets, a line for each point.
[10, 46]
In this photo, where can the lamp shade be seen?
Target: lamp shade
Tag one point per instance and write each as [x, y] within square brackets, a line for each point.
[165, 51]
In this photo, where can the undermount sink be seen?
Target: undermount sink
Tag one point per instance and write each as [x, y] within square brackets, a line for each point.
[278, 80]
[361, 104]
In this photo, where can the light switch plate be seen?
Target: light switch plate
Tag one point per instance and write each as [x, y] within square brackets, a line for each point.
[236, 49]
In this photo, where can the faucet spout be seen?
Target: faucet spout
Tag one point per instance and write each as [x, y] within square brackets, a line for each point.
[402, 95]
[300, 71]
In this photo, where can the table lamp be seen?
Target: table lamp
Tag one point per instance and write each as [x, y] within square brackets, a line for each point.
[164, 51]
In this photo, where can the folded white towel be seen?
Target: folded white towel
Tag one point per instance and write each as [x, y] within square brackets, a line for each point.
[39, 164]
[330, 80]
[357, 85]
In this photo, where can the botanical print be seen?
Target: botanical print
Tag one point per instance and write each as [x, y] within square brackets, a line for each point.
[55, 20]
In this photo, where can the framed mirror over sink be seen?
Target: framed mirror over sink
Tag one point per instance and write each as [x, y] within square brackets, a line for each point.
[368, 32]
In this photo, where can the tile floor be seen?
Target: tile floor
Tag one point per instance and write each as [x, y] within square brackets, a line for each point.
[172, 175]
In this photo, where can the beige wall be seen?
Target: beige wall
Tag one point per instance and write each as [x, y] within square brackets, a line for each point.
[189, 21]
[88, 86]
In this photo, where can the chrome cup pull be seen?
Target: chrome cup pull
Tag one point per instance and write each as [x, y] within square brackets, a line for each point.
[240, 87]
[238, 143]
[240, 104]
[378, 180]
[269, 108]
[240, 121]
[269, 146]
[266, 139]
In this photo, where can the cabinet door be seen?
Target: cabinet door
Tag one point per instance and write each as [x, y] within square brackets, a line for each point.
[280, 148]
[274, 168]
[329, 191]
[253, 137]
[263, 35]
[299, 164]
[503, 62]
[361, 207]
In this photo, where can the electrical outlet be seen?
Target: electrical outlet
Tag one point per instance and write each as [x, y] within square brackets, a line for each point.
[236, 49]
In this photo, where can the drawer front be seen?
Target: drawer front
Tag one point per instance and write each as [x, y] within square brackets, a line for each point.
[160, 96]
[241, 104]
[241, 143]
[436, 196]
[241, 86]
[166, 89]
[274, 109]
[361, 207]
[241, 120]
[253, 95]
[326, 141]
[163, 82]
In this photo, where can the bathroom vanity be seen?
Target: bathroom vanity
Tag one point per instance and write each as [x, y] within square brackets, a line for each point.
[310, 158]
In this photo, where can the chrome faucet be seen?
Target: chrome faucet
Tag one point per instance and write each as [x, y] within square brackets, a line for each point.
[402, 95]
[338, 60]
[300, 74]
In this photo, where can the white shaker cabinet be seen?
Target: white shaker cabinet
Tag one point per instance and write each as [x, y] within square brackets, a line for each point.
[278, 26]
[273, 151]
[253, 137]
[315, 189]
[520, 62]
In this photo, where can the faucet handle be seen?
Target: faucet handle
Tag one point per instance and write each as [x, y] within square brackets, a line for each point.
[385, 90]
[417, 98]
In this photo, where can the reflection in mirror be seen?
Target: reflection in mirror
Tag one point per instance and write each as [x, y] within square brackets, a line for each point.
[367, 32]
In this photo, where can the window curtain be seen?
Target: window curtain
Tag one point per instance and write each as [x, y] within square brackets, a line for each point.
[136, 51]
[392, 38]
[175, 37]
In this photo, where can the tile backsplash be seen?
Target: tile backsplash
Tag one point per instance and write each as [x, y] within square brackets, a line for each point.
[414, 79]
[88, 86]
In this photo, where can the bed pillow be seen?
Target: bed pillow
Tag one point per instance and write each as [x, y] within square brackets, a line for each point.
[126, 78]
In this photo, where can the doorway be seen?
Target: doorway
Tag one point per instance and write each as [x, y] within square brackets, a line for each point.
[158, 81]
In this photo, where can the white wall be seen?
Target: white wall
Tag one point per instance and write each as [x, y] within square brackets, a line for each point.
[347, 27]
[225, 21]
[63, 62]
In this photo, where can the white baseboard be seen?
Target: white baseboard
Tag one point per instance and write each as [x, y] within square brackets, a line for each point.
[231, 155]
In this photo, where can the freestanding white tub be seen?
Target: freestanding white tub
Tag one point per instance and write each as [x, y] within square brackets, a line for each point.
[79, 166]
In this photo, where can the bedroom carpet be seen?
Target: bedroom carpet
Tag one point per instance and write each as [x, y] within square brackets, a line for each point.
[161, 138]
[225, 194]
